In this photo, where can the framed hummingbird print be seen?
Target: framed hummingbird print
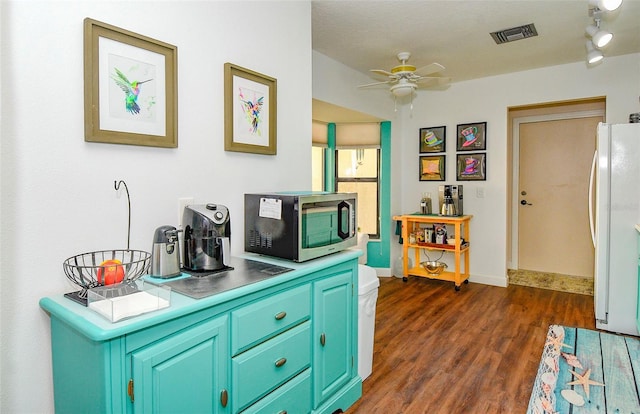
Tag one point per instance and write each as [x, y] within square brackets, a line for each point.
[130, 87]
[250, 105]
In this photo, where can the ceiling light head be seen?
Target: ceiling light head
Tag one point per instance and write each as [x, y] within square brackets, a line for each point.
[593, 55]
[600, 37]
[607, 5]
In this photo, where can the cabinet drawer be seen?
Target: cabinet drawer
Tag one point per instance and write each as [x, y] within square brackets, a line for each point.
[260, 370]
[266, 318]
[294, 397]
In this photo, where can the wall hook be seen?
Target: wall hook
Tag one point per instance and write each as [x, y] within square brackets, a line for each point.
[116, 185]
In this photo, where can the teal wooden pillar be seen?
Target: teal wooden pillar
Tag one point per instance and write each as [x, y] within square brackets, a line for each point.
[330, 159]
[379, 252]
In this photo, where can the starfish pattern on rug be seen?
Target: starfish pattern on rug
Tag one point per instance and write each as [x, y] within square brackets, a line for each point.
[584, 380]
[556, 343]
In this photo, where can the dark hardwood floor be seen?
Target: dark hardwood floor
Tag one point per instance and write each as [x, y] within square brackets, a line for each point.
[473, 351]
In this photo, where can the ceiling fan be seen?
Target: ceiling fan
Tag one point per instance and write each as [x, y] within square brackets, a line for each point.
[405, 78]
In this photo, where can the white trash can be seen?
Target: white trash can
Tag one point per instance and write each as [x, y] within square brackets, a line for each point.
[367, 296]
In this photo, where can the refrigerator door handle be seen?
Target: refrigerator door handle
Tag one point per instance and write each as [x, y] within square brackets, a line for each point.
[592, 176]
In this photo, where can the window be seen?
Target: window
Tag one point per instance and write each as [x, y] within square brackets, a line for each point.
[357, 171]
[317, 168]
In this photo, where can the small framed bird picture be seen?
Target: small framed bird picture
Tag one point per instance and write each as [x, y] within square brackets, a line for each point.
[130, 87]
[250, 104]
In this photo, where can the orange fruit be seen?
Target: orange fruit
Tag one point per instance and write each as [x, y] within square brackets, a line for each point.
[110, 272]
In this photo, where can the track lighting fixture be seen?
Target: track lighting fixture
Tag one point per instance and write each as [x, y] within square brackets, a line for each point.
[599, 37]
[593, 54]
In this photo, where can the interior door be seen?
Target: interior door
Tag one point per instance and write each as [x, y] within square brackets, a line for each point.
[553, 220]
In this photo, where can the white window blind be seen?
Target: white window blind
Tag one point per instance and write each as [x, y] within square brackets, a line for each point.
[319, 132]
[362, 135]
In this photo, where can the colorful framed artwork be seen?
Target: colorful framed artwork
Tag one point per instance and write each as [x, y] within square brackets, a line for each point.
[472, 137]
[433, 139]
[471, 167]
[130, 87]
[250, 104]
[432, 167]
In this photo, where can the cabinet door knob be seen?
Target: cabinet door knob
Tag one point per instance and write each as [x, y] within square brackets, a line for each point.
[281, 315]
[323, 339]
[224, 398]
[281, 362]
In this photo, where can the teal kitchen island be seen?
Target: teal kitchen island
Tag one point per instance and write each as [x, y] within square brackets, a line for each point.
[285, 344]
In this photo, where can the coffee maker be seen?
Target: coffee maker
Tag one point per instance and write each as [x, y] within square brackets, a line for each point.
[207, 234]
[450, 198]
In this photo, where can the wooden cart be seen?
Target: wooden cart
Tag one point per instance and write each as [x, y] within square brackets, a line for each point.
[412, 223]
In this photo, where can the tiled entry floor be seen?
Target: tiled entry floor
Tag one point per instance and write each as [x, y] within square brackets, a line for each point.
[553, 281]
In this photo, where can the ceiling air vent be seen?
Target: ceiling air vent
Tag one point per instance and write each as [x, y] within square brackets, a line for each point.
[515, 33]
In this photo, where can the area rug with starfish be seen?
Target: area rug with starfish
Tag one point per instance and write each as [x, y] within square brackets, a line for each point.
[586, 371]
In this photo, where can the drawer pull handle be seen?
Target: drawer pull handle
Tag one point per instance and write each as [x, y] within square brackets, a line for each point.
[281, 315]
[224, 398]
[283, 412]
[281, 362]
[323, 339]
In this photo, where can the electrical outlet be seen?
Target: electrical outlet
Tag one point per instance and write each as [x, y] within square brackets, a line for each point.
[182, 202]
[480, 192]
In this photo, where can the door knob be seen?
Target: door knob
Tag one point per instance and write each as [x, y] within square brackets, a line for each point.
[524, 203]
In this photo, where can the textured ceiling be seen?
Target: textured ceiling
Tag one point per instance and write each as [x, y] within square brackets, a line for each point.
[368, 34]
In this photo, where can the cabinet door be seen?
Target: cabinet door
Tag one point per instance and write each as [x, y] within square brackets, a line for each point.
[333, 334]
[185, 373]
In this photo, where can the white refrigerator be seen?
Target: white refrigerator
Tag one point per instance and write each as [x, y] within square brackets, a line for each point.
[614, 210]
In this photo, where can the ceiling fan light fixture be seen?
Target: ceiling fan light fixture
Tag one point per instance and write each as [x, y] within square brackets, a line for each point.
[593, 55]
[403, 89]
[607, 5]
[600, 37]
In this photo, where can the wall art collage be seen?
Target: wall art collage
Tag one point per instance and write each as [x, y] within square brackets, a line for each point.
[471, 156]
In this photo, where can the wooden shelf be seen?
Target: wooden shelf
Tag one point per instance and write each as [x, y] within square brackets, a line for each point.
[437, 246]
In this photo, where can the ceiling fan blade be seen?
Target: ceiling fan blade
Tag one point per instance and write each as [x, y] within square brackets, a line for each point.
[381, 72]
[440, 80]
[429, 69]
[375, 84]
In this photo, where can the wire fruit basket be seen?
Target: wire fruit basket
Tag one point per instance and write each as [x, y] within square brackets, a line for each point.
[92, 269]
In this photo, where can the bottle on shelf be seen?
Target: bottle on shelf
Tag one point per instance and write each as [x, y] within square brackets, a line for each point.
[425, 203]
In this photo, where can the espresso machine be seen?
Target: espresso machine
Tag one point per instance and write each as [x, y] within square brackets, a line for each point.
[207, 235]
[450, 198]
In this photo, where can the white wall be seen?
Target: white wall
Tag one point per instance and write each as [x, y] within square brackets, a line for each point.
[58, 196]
[487, 99]
[337, 84]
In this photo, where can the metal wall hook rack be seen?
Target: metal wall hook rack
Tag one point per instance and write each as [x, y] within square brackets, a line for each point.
[116, 185]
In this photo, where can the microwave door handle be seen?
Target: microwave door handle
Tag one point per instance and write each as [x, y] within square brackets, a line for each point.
[341, 232]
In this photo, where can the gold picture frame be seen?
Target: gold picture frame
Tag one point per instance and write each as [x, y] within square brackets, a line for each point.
[250, 111]
[130, 87]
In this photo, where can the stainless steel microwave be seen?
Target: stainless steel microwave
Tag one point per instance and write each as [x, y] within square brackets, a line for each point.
[299, 226]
